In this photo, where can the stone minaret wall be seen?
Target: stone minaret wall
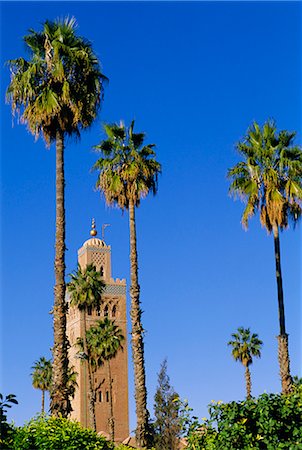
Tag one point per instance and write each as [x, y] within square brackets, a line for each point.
[113, 305]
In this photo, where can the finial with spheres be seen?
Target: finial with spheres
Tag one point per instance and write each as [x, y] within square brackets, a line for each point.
[93, 231]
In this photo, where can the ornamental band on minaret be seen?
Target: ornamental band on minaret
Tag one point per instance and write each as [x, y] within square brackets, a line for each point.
[113, 305]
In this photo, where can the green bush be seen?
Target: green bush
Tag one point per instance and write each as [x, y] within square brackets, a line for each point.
[51, 433]
[126, 447]
[6, 430]
[271, 422]
[122, 447]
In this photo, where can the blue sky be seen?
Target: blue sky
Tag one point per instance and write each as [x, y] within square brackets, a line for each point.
[193, 76]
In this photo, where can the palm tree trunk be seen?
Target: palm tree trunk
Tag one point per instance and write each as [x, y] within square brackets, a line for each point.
[60, 403]
[91, 394]
[43, 402]
[283, 354]
[111, 416]
[142, 414]
[248, 382]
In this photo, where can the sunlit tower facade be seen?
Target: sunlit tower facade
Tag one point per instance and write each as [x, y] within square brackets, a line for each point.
[113, 305]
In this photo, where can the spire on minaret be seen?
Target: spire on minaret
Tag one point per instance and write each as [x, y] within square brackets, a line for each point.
[93, 231]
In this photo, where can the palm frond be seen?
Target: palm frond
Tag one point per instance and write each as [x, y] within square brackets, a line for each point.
[270, 176]
[127, 172]
[61, 85]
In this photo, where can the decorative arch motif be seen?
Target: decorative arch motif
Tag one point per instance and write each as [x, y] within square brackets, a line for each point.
[109, 308]
[98, 259]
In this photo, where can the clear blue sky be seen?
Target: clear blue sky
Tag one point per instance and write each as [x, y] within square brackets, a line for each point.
[193, 76]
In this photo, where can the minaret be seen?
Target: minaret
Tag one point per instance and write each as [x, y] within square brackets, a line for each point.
[113, 305]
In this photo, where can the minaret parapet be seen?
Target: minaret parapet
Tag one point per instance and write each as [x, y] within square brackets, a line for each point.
[121, 281]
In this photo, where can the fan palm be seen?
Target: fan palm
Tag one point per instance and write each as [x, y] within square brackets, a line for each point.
[128, 171]
[41, 377]
[57, 93]
[85, 289]
[245, 346]
[104, 339]
[269, 180]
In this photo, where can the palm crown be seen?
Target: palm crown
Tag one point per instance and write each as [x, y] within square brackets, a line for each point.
[128, 169]
[104, 340]
[61, 86]
[269, 178]
[85, 287]
[245, 346]
[42, 374]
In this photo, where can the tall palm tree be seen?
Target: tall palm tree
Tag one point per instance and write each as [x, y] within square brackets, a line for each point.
[245, 346]
[128, 171]
[41, 377]
[104, 340]
[85, 289]
[269, 180]
[57, 92]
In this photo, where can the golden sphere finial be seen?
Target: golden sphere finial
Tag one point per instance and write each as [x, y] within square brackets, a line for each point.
[93, 231]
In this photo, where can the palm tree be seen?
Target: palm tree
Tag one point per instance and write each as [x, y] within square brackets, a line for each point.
[245, 346]
[269, 180]
[85, 289]
[41, 377]
[57, 92]
[128, 172]
[104, 339]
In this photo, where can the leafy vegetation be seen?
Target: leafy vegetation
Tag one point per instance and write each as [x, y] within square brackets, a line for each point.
[271, 422]
[6, 430]
[53, 433]
[122, 447]
[244, 347]
[41, 377]
[167, 424]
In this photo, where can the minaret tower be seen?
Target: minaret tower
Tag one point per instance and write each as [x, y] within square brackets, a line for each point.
[113, 305]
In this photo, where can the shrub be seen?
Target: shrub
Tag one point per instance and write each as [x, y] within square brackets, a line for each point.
[51, 433]
[123, 447]
[126, 447]
[6, 430]
[271, 422]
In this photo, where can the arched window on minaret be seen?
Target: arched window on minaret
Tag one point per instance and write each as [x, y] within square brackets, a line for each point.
[89, 310]
[106, 311]
[102, 271]
[113, 313]
[98, 311]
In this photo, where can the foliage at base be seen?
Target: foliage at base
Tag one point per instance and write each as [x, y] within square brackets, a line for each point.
[51, 433]
[271, 422]
[123, 447]
[6, 430]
